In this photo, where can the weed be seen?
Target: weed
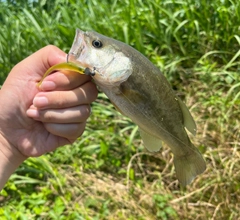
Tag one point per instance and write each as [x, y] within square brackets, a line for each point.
[107, 174]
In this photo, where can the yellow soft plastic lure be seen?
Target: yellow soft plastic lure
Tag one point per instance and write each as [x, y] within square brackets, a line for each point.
[63, 66]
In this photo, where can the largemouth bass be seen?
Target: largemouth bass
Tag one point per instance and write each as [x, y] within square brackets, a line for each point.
[140, 91]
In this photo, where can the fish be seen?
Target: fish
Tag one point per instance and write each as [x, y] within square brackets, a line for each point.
[138, 90]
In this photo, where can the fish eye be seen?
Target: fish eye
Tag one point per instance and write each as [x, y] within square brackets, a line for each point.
[97, 44]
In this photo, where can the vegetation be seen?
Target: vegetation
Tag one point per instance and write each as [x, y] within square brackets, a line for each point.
[107, 174]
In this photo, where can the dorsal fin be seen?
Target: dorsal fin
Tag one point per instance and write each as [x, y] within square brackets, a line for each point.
[188, 120]
[150, 142]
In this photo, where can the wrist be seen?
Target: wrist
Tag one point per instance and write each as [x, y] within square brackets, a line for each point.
[10, 160]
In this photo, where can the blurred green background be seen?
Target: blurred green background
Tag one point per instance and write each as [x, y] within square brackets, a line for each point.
[107, 174]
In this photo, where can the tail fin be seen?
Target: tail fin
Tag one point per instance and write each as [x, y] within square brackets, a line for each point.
[189, 166]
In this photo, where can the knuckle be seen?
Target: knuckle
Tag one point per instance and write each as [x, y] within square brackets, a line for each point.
[85, 112]
[48, 117]
[77, 130]
[59, 100]
[89, 91]
[51, 47]
[94, 92]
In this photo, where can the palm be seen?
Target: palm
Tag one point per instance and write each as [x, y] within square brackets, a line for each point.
[42, 127]
[36, 140]
[28, 135]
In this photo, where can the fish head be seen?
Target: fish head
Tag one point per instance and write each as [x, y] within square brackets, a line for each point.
[102, 57]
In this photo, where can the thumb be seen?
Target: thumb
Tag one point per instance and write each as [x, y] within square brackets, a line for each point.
[21, 82]
[34, 66]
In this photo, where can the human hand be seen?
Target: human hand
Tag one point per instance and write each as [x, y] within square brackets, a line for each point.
[33, 122]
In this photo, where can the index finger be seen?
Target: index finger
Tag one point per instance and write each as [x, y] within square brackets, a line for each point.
[64, 80]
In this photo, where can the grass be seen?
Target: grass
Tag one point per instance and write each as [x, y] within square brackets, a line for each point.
[107, 174]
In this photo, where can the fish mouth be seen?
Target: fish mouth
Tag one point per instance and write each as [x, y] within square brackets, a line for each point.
[77, 52]
[77, 48]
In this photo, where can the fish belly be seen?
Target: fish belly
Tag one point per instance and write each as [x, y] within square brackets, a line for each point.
[157, 112]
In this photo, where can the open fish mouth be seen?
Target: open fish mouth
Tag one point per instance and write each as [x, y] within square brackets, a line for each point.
[72, 64]
[74, 54]
[77, 48]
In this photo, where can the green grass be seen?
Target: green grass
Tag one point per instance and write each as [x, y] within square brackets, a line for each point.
[107, 174]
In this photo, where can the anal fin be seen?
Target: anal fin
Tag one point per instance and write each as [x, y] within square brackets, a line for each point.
[150, 142]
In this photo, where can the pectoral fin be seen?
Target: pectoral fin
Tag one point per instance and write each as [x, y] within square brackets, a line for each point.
[150, 142]
[188, 120]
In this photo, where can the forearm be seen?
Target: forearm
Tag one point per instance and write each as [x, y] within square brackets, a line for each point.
[10, 160]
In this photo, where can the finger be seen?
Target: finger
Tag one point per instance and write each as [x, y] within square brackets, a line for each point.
[44, 58]
[64, 80]
[24, 76]
[61, 116]
[69, 131]
[85, 94]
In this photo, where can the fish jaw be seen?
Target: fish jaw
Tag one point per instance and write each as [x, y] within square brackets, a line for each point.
[108, 65]
[77, 49]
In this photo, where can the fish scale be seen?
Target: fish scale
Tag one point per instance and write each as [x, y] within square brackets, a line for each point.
[153, 104]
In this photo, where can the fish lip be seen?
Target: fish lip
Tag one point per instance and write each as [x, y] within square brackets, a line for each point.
[77, 47]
